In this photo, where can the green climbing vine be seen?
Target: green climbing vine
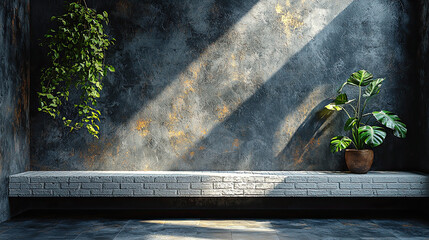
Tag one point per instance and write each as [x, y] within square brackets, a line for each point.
[77, 52]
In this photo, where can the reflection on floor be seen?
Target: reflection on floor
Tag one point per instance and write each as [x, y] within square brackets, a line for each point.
[183, 229]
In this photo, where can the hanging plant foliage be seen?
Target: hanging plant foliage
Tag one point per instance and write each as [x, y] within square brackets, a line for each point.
[77, 52]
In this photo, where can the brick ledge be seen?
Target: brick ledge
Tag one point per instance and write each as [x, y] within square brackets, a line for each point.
[217, 184]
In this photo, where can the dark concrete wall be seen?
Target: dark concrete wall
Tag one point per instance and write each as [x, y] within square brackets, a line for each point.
[14, 94]
[233, 85]
[423, 76]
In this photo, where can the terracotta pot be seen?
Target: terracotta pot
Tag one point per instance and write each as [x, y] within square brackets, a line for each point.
[359, 161]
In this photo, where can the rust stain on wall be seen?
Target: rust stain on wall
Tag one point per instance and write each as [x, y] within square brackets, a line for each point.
[222, 112]
[290, 20]
[142, 126]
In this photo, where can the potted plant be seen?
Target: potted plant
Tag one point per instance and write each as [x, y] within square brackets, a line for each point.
[363, 136]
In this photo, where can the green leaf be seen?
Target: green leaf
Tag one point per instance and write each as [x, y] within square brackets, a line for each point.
[333, 107]
[350, 123]
[373, 88]
[360, 78]
[372, 135]
[341, 99]
[111, 68]
[339, 143]
[392, 121]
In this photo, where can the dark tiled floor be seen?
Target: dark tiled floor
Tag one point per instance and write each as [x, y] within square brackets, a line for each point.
[246, 229]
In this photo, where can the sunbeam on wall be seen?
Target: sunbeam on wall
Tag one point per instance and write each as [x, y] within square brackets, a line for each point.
[228, 85]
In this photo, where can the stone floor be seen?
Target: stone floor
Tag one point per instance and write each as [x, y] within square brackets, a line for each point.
[183, 229]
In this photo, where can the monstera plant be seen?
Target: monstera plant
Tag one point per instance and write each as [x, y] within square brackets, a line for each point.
[363, 136]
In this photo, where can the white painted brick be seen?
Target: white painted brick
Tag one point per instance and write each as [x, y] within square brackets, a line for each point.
[31, 185]
[274, 179]
[295, 193]
[60, 193]
[70, 185]
[222, 185]
[296, 179]
[52, 185]
[318, 192]
[232, 179]
[101, 179]
[123, 179]
[144, 179]
[317, 179]
[264, 185]
[131, 185]
[19, 180]
[19, 192]
[339, 179]
[374, 185]
[80, 192]
[155, 185]
[43, 179]
[165, 179]
[340, 192]
[91, 185]
[305, 185]
[79, 179]
[189, 192]
[275, 192]
[410, 193]
[123, 192]
[178, 185]
[244, 185]
[164, 192]
[328, 185]
[410, 179]
[254, 192]
[202, 185]
[350, 185]
[363, 192]
[143, 192]
[284, 185]
[387, 192]
[41, 192]
[14, 185]
[232, 191]
[211, 179]
[384, 179]
[101, 192]
[111, 186]
[418, 186]
[212, 192]
[363, 179]
[398, 185]
[189, 179]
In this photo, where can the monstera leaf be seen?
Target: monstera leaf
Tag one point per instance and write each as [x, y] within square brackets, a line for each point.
[341, 99]
[373, 88]
[339, 143]
[350, 123]
[372, 135]
[391, 121]
[359, 78]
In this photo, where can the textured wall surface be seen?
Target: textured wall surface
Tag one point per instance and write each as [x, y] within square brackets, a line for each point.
[14, 94]
[423, 75]
[233, 85]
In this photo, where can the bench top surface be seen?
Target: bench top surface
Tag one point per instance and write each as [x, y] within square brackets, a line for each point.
[220, 173]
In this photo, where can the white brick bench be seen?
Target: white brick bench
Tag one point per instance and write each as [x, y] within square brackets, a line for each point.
[217, 184]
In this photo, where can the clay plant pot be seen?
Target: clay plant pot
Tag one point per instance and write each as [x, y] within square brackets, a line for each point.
[359, 161]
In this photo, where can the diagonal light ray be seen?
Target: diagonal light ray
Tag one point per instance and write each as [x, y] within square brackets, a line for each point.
[223, 77]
